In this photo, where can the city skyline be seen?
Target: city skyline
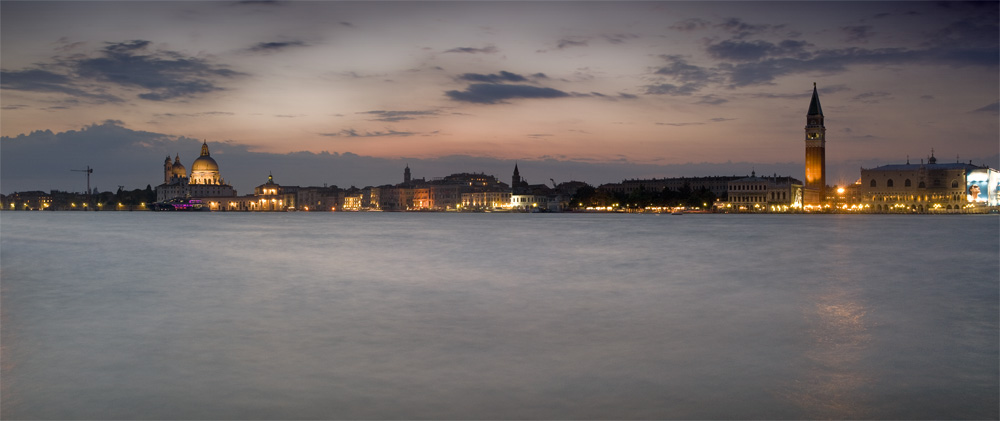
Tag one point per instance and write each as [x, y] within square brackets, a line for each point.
[345, 92]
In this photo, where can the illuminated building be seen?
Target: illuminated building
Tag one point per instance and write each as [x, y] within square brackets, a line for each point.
[446, 193]
[204, 180]
[764, 194]
[29, 200]
[486, 200]
[931, 187]
[532, 202]
[718, 185]
[814, 192]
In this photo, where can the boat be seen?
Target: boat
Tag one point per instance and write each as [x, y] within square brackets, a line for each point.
[179, 204]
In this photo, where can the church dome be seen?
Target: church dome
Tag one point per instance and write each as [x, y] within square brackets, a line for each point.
[205, 163]
[178, 169]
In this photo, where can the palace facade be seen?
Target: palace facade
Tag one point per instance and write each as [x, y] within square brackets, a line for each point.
[929, 187]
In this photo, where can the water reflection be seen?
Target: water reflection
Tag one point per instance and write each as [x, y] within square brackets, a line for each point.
[834, 382]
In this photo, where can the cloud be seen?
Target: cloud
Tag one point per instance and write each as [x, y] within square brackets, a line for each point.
[164, 75]
[688, 78]
[671, 89]
[970, 41]
[711, 100]
[740, 29]
[832, 61]
[503, 76]
[871, 97]
[857, 34]
[490, 93]
[738, 50]
[993, 108]
[268, 47]
[201, 114]
[619, 38]
[355, 133]
[689, 25]
[489, 49]
[682, 71]
[37, 80]
[567, 43]
[679, 124]
[697, 123]
[394, 116]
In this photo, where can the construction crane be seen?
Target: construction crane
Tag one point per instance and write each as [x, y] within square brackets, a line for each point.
[88, 171]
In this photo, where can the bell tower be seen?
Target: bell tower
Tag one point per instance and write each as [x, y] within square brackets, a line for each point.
[168, 170]
[515, 180]
[815, 182]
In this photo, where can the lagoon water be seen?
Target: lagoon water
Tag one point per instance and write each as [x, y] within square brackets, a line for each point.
[498, 316]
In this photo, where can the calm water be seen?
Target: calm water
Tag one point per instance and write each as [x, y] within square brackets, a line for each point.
[499, 316]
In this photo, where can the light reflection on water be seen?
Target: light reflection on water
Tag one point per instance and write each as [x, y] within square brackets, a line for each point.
[375, 316]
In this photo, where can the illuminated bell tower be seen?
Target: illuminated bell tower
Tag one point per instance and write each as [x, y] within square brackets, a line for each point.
[815, 183]
[168, 170]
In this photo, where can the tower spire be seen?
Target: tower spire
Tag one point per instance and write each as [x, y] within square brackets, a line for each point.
[814, 107]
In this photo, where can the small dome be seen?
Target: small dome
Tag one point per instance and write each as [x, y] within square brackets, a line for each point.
[204, 163]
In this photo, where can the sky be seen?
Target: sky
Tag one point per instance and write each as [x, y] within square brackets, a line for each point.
[348, 93]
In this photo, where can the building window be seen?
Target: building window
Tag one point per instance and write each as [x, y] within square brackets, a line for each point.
[872, 184]
[922, 185]
[907, 183]
[954, 184]
[888, 183]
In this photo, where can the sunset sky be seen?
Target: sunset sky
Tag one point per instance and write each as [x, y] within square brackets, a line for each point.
[649, 84]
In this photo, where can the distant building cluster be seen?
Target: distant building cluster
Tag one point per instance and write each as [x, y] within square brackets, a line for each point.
[929, 187]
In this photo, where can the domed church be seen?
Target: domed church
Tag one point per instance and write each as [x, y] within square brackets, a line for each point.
[204, 170]
[205, 180]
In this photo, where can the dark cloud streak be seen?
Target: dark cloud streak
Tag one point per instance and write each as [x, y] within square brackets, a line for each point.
[165, 75]
[469, 50]
[503, 76]
[489, 93]
[276, 46]
[394, 116]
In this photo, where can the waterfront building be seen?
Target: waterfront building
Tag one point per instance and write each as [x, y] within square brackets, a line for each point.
[203, 182]
[445, 193]
[930, 187]
[718, 185]
[28, 200]
[352, 202]
[814, 192]
[764, 194]
[532, 202]
[487, 200]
